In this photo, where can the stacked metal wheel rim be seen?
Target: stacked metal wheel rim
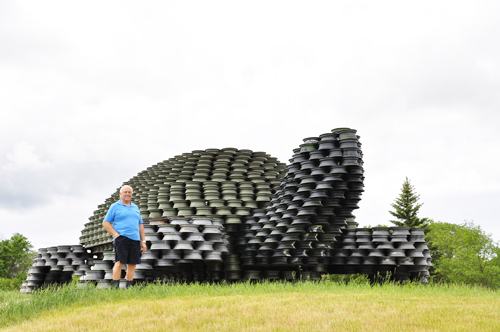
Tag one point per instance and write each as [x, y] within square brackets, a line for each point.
[57, 265]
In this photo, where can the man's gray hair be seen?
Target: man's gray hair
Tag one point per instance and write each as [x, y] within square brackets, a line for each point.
[126, 186]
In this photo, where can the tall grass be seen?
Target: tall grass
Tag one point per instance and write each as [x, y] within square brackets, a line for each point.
[244, 306]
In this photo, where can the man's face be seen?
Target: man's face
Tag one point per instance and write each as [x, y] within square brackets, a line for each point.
[126, 195]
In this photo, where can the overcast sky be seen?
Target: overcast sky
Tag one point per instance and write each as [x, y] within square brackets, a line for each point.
[93, 92]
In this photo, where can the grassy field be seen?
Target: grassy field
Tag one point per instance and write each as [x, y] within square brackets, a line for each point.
[302, 306]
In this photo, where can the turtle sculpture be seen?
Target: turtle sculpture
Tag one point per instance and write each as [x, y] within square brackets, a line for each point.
[229, 214]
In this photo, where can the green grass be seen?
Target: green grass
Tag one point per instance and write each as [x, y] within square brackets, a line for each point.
[277, 306]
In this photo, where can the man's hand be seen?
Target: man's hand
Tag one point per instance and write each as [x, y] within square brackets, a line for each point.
[143, 247]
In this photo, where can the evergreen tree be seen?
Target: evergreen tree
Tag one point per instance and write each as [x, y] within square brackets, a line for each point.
[406, 208]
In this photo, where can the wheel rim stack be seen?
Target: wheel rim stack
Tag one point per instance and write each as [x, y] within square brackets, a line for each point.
[316, 198]
[57, 265]
[242, 215]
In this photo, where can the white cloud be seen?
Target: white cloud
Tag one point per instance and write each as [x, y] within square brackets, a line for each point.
[24, 158]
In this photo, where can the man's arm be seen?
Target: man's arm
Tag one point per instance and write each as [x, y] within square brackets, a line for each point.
[109, 228]
[143, 238]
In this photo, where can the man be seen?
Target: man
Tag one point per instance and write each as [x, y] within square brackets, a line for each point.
[124, 222]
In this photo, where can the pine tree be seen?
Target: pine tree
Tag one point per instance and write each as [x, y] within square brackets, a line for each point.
[406, 208]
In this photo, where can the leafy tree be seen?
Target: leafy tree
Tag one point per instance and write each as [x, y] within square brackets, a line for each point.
[406, 208]
[16, 256]
[464, 253]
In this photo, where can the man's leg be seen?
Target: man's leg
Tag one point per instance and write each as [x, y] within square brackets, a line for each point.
[134, 256]
[130, 272]
[117, 273]
[117, 270]
[130, 275]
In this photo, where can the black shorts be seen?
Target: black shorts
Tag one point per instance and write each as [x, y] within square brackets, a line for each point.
[127, 251]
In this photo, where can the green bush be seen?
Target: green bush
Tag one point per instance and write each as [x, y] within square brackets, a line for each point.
[464, 253]
[11, 284]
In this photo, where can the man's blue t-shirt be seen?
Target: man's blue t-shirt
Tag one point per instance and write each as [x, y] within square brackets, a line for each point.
[125, 219]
